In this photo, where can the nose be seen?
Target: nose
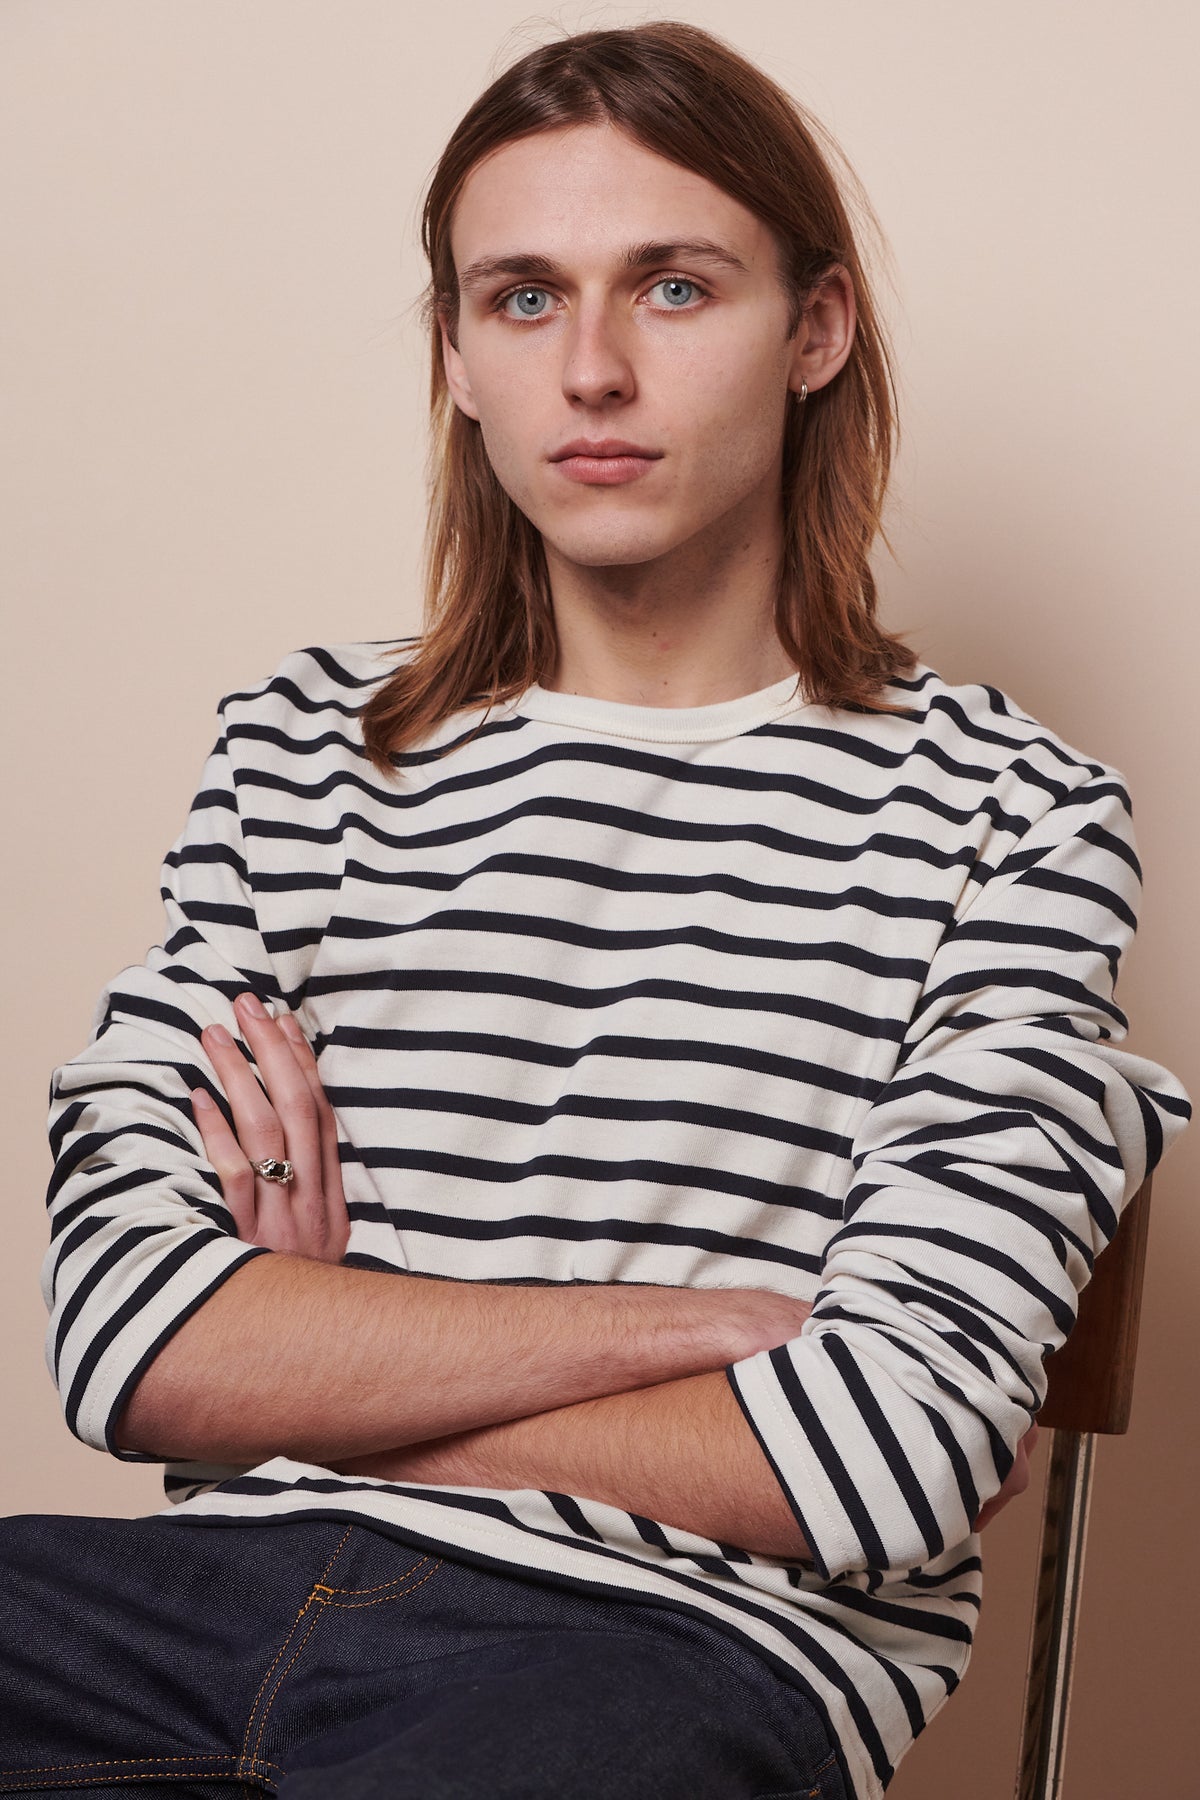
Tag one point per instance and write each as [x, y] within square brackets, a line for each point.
[598, 366]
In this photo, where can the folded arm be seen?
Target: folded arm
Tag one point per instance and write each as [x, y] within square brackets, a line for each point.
[300, 1358]
[679, 1453]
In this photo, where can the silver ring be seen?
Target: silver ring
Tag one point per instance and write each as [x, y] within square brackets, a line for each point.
[274, 1168]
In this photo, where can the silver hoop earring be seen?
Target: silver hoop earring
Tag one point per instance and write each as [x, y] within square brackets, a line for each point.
[802, 396]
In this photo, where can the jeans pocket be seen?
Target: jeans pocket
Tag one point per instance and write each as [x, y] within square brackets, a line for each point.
[372, 1570]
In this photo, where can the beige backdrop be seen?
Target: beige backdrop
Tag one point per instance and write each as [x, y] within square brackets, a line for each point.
[212, 454]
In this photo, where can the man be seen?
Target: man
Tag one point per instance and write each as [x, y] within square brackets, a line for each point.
[714, 1009]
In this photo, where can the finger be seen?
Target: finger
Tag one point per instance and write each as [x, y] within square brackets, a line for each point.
[331, 1163]
[1015, 1482]
[257, 1130]
[256, 1125]
[291, 1214]
[997, 1503]
[1018, 1479]
[261, 1132]
[294, 1212]
[225, 1154]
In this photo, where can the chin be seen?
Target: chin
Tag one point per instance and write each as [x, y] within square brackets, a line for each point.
[609, 557]
[606, 545]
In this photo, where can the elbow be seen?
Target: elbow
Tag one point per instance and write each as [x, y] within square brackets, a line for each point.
[144, 1426]
[156, 1419]
[152, 1388]
[132, 1431]
[173, 1411]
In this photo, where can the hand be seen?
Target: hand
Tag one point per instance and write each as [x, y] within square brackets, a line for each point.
[292, 1119]
[1016, 1481]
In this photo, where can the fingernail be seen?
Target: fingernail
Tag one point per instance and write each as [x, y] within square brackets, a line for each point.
[202, 1102]
[250, 1003]
[288, 1024]
[218, 1035]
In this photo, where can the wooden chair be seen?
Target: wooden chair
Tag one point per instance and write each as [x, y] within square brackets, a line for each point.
[1091, 1386]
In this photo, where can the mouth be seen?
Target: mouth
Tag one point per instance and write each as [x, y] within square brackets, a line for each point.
[604, 462]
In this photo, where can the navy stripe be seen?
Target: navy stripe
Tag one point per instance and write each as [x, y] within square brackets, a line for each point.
[852, 956]
[790, 1006]
[643, 881]
[589, 1106]
[636, 1049]
[584, 1231]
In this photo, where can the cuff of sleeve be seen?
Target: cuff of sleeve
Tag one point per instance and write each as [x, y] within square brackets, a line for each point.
[117, 1356]
[807, 1464]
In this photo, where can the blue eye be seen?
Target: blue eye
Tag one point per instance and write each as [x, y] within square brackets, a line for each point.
[530, 302]
[676, 292]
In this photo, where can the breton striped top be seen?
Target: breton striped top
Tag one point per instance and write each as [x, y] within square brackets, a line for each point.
[757, 993]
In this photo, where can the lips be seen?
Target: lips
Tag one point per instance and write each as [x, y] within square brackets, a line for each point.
[603, 448]
[604, 462]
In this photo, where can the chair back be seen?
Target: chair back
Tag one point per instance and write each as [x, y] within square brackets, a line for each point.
[1090, 1389]
[1091, 1377]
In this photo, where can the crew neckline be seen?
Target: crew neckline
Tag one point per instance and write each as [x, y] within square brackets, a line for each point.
[662, 724]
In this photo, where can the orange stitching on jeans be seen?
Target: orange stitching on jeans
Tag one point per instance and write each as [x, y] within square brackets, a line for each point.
[815, 1793]
[147, 1775]
[313, 1623]
[150, 1775]
[197, 1756]
[123, 1762]
[357, 1605]
[287, 1640]
[313, 1626]
[382, 1584]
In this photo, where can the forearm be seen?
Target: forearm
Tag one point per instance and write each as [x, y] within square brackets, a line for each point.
[679, 1452]
[307, 1359]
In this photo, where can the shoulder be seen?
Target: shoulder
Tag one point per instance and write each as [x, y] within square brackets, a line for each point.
[974, 734]
[318, 689]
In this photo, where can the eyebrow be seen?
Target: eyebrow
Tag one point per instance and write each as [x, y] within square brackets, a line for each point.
[522, 263]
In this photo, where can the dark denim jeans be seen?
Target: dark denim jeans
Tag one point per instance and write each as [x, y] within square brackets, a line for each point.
[177, 1659]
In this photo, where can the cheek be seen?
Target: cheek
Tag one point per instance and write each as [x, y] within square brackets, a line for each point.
[740, 436]
[511, 457]
[736, 389]
[510, 430]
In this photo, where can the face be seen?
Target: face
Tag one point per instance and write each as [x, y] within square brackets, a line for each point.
[614, 302]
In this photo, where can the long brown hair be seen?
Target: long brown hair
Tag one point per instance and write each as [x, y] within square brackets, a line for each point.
[489, 626]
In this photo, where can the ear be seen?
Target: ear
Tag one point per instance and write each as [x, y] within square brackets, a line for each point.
[825, 336]
[456, 372]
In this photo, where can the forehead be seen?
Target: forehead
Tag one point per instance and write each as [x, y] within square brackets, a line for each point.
[589, 190]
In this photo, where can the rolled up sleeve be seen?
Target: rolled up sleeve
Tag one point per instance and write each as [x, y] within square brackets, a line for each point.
[140, 1235]
[988, 1175]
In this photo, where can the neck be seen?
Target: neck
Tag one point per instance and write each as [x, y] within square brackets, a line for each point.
[689, 628]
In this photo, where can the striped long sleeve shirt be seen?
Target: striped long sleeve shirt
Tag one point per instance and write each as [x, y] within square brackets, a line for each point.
[758, 993]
